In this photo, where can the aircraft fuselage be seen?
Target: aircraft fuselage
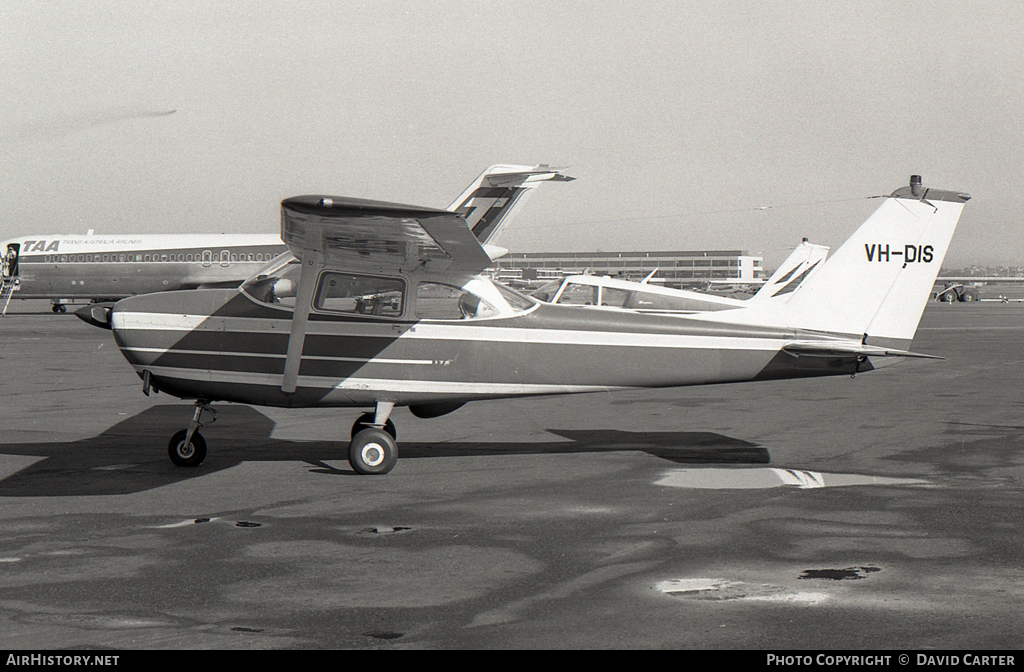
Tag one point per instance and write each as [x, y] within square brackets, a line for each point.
[96, 267]
[223, 345]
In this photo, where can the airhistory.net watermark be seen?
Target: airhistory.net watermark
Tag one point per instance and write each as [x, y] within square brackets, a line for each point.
[57, 660]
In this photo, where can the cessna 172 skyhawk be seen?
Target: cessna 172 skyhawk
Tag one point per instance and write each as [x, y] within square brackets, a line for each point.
[104, 268]
[389, 309]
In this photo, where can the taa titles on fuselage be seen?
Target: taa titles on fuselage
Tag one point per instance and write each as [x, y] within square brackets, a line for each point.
[380, 305]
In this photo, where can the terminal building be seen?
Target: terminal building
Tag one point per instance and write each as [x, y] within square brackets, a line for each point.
[674, 269]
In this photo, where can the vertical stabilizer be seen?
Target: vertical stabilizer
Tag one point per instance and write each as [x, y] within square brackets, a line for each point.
[493, 199]
[797, 267]
[877, 283]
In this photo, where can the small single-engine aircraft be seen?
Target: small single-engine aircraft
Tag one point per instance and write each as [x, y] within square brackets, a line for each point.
[103, 268]
[602, 291]
[382, 305]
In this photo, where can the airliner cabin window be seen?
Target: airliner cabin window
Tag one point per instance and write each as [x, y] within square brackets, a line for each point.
[360, 294]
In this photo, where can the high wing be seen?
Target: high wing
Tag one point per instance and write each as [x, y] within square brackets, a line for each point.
[364, 233]
[352, 233]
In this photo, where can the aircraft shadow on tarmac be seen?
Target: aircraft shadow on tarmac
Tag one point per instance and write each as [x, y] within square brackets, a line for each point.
[131, 456]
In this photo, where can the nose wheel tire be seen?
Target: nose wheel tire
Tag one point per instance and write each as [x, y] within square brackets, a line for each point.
[372, 451]
[189, 454]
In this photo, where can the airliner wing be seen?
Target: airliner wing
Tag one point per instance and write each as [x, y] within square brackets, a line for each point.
[351, 231]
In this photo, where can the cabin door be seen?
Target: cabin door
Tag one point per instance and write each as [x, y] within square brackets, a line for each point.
[9, 264]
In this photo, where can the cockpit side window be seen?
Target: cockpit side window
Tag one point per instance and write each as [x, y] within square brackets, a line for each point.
[360, 294]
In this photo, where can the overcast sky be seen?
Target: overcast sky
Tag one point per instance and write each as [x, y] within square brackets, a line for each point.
[703, 125]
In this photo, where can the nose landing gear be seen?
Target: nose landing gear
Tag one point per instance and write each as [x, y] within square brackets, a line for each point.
[188, 447]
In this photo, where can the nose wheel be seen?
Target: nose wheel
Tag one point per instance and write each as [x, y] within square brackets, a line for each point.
[188, 447]
[187, 451]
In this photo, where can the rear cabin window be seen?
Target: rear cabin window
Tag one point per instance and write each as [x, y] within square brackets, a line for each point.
[611, 296]
[360, 294]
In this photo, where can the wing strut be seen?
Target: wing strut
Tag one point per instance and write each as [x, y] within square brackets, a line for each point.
[312, 262]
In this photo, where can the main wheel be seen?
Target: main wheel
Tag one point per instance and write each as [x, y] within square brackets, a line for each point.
[365, 421]
[372, 451]
[191, 454]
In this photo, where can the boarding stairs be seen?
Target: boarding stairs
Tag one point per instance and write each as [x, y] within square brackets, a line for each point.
[7, 287]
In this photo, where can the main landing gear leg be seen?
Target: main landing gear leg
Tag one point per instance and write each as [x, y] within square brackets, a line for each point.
[188, 447]
[373, 449]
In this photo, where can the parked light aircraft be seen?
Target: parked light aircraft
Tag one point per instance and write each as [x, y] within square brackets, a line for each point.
[391, 309]
[104, 268]
[603, 291]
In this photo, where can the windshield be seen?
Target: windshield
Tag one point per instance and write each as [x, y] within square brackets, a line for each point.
[478, 298]
[276, 282]
[547, 291]
[517, 300]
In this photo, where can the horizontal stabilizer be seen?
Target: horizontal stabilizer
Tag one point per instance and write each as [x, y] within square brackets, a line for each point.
[827, 349]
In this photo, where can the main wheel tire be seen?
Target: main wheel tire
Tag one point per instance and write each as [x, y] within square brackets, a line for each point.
[372, 451]
[969, 295]
[190, 455]
[365, 421]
